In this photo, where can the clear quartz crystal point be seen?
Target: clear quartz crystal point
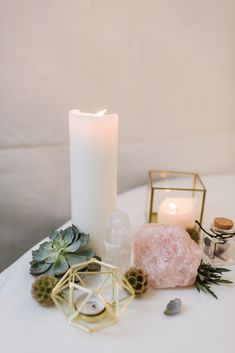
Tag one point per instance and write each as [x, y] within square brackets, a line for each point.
[117, 244]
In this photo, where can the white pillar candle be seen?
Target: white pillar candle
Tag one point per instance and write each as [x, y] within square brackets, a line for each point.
[181, 211]
[93, 172]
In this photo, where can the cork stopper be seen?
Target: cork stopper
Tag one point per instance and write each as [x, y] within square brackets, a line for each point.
[223, 223]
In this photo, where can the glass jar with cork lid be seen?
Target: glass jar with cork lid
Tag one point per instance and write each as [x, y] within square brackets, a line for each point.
[219, 241]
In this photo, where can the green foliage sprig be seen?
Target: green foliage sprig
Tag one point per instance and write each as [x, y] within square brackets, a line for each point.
[208, 275]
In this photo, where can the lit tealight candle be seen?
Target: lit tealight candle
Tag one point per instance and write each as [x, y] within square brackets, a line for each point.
[181, 211]
[93, 310]
[172, 207]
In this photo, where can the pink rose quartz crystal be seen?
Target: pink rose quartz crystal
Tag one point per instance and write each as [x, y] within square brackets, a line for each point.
[167, 254]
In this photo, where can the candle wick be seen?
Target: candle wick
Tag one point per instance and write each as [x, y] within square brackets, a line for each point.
[101, 113]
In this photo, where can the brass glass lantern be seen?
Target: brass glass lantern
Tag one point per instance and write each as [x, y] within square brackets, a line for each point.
[176, 198]
[92, 300]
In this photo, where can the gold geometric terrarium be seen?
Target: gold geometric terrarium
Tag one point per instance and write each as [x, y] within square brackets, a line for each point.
[176, 198]
[92, 300]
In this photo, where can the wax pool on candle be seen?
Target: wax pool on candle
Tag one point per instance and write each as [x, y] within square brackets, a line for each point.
[93, 307]
[93, 172]
[181, 211]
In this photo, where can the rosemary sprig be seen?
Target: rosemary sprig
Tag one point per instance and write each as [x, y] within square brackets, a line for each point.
[208, 275]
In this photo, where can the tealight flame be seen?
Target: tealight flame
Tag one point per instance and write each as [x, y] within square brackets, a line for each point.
[101, 113]
[172, 207]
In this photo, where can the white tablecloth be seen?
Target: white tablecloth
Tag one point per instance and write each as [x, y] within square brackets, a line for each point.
[204, 325]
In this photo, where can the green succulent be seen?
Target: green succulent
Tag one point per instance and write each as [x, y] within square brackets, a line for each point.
[64, 249]
[42, 288]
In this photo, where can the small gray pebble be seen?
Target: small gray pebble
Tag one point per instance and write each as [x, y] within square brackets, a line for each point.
[173, 307]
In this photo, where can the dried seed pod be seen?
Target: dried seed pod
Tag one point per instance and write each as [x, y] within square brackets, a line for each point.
[42, 288]
[138, 280]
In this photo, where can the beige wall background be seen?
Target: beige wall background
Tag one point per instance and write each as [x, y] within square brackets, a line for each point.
[165, 66]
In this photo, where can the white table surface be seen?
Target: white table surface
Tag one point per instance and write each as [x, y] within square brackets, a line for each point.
[205, 324]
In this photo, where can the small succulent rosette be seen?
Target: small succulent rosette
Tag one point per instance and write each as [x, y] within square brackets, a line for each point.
[64, 249]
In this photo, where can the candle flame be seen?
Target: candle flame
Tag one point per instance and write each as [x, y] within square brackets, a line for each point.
[172, 207]
[101, 113]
